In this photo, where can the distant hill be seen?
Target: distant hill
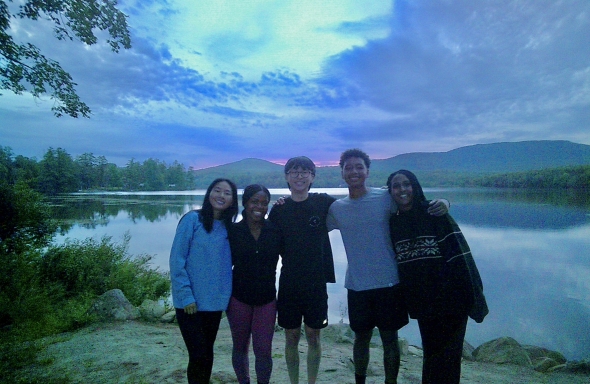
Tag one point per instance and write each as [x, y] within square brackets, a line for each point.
[243, 173]
[493, 158]
[434, 168]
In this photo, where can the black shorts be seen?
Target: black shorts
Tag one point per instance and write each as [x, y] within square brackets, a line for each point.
[383, 308]
[311, 305]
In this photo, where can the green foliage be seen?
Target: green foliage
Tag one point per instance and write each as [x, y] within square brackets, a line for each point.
[577, 177]
[90, 268]
[58, 173]
[25, 68]
[49, 288]
[15, 356]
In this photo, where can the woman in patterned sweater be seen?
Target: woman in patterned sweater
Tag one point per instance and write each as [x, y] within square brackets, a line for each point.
[437, 272]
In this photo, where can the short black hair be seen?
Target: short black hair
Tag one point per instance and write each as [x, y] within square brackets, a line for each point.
[300, 161]
[355, 152]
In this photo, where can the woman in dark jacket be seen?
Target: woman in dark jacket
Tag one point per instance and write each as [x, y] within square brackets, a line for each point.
[441, 283]
[255, 246]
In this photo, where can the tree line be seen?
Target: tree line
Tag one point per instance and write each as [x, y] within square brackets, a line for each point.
[59, 172]
[573, 177]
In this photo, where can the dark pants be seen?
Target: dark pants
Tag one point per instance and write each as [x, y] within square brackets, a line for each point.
[442, 343]
[199, 332]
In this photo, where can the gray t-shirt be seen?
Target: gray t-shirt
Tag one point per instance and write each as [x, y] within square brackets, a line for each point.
[364, 226]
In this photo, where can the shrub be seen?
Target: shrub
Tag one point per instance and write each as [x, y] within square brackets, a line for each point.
[90, 268]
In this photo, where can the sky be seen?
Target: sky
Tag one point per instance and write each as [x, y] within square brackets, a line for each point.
[213, 82]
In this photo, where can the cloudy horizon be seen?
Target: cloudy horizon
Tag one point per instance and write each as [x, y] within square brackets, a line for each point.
[211, 83]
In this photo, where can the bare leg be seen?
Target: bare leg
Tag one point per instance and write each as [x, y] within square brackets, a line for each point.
[391, 355]
[292, 337]
[360, 352]
[314, 353]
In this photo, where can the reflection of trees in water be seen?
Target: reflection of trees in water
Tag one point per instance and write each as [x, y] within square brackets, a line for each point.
[555, 197]
[91, 211]
[152, 212]
[516, 208]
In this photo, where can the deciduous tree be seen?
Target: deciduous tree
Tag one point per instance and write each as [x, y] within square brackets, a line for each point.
[23, 67]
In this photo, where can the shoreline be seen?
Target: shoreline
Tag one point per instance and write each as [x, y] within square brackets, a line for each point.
[137, 351]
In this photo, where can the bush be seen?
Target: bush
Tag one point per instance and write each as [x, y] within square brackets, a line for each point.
[47, 289]
[90, 268]
[54, 290]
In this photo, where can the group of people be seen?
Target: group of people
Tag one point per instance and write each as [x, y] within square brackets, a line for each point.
[406, 258]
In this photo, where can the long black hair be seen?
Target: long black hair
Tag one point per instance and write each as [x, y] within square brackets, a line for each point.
[250, 191]
[417, 191]
[227, 216]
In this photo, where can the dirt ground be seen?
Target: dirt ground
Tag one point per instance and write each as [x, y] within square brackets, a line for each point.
[139, 352]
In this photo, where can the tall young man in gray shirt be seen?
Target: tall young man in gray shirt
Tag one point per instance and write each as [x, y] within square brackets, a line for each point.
[374, 297]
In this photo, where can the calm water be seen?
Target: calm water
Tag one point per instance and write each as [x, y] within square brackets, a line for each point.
[531, 248]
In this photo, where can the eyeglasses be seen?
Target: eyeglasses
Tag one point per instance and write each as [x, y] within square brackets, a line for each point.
[295, 174]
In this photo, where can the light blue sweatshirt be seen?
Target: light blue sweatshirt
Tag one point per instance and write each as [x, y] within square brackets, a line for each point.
[200, 265]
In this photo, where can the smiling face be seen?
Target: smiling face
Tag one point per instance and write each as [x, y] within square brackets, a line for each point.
[220, 198]
[257, 207]
[355, 172]
[402, 191]
[299, 179]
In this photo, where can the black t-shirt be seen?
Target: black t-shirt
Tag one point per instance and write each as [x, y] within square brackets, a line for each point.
[307, 258]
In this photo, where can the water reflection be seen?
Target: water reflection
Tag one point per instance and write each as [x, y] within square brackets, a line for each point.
[531, 249]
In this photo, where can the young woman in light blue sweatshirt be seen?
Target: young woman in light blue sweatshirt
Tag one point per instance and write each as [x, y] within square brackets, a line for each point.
[201, 274]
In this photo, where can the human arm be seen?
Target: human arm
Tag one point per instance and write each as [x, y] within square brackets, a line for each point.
[439, 207]
[331, 222]
[463, 270]
[181, 284]
[280, 200]
[190, 309]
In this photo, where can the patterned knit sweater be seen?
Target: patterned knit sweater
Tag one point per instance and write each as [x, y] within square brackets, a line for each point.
[436, 268]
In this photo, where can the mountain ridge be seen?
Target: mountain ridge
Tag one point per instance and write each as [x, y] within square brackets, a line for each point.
[473, 160]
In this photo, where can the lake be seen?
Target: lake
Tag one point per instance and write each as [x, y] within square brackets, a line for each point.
[531, 247]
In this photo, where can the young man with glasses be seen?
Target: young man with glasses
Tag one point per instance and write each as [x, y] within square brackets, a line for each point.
[374, 297]
[307, 265]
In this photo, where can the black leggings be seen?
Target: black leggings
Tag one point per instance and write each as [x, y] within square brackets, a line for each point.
[442, 343]
[199, 332]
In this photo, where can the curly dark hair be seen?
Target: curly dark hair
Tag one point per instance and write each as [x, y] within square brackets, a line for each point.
[355, 152]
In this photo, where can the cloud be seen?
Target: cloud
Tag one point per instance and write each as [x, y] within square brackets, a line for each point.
[476, 70]
[214, 82]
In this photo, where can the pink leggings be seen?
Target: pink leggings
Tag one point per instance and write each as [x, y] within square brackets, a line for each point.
[258, 321]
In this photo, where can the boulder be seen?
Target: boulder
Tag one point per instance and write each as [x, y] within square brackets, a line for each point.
[113, 305]
[151, 310]
[540, 352]
[413, 350]
[338, 333]
[544, 364]
[404, 346]
[582, 366]
[504, 350]
[468, 351]
[169, 317]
